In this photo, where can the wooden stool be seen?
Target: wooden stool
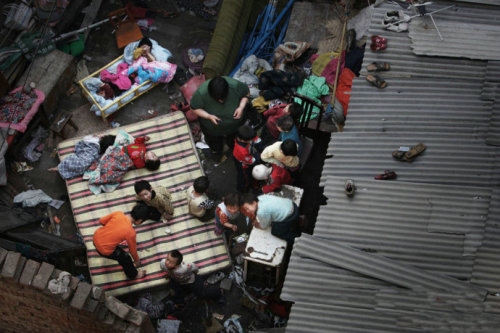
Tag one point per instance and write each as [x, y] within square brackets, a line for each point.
[127, 30]
[60, 122]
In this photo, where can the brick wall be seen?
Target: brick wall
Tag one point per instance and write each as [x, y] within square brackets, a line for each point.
[25, 309]
[27, 305]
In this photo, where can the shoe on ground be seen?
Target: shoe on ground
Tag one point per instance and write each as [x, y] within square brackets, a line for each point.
[216, 277]
[394, 16]
[378, 39]
[350, 188]
[378, 46]
[388, 174]
[396, 27]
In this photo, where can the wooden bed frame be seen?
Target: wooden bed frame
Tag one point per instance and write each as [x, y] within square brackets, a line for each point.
[134, 91]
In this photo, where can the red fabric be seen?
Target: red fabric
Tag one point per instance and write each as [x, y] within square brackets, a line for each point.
[344, 87]
[137, 152]
[189, 88]
[272, 115]
[331, 68]
[186, 108]
[279, 176]
[241, 152]
[120, 80]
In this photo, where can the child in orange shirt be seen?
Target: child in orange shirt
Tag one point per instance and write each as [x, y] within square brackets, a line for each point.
[117, 227]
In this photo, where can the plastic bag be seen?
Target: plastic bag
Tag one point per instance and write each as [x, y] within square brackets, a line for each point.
[19, 17]
[191, 86]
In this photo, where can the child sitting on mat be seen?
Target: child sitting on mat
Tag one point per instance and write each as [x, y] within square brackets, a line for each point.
[184, 279]
[198, 202]
[158, 199]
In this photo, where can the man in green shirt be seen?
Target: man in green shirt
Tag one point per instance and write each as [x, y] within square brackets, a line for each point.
[220, 104]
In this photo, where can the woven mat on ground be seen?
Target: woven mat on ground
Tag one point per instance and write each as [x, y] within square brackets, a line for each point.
[171, 141]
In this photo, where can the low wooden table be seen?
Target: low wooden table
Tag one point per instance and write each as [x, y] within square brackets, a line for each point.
[264, 248]
[60, 122]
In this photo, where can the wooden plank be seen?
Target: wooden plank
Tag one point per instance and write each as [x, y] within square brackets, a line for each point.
[43, 240]
[14, 218]
[90, 16]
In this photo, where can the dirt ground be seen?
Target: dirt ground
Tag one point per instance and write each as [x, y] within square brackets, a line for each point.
[176, 34]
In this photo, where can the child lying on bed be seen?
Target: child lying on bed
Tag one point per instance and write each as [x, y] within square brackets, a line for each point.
[147, 67]
[106, 173]
[144, 50]
[86, 152]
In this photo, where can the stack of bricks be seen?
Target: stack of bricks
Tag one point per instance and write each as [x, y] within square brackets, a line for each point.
[27, 305]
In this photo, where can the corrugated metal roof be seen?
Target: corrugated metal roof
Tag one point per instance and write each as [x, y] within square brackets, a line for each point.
[449, 158]
[433, 227]
[352, 302]
[484, 2]
[439, 217]
[464, 33]
[433, 100]
[493, 137]
[491, 81]
[487, 259]
[405, 64]
[379, 267]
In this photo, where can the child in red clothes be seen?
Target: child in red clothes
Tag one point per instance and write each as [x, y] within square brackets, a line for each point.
[270, 133]
[246, 155]
[273, 176]
[140, 157]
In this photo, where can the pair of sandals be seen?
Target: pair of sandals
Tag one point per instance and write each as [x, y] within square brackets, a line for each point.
[409, 155]
[374, 79]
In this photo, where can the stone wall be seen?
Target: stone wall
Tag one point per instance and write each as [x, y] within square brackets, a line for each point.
[26, 304]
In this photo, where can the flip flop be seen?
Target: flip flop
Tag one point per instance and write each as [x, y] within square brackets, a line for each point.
[378, 67]
[414, 151]
[377, 81]
[388, 174]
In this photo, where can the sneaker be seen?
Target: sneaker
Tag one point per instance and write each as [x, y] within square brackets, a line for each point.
[216, 277]
[399, 27]
[394, 16]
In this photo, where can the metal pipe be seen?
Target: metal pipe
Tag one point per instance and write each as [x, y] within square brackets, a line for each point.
[265, 36]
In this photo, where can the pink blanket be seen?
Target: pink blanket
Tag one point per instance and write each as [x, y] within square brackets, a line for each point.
[120, 79]
[22, 121]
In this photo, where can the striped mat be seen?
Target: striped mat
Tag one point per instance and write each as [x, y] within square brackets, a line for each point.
[171, 140]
